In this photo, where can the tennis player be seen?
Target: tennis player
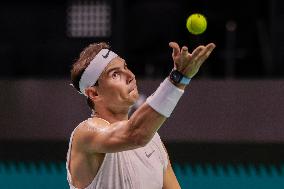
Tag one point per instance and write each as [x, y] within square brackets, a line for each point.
[109, 150]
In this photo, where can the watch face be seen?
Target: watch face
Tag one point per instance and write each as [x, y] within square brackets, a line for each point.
[176, 76]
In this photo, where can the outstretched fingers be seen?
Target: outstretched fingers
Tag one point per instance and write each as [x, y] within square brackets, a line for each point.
[211, 47]
[204, 54]
[176, 48]
[184, 52]
[197, 52]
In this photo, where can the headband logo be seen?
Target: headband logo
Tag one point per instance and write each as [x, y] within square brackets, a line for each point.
[105, 56]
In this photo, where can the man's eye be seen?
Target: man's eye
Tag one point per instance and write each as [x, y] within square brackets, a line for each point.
[115, 75]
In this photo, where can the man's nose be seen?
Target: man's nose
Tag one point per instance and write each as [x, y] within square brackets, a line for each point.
[130, 76]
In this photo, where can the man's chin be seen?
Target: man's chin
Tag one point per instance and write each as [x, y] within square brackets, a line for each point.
[134, 96]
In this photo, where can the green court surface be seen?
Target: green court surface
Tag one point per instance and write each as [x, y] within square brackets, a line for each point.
[34, 175]
[232, 176]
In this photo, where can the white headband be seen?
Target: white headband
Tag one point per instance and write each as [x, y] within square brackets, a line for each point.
[95, 69]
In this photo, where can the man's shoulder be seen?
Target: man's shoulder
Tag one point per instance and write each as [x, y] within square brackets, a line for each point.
[91, 125]
[87, 130]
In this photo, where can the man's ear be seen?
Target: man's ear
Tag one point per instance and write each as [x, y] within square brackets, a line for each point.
[92, 93]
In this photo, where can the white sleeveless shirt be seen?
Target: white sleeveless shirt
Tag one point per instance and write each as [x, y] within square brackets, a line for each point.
[141, 168]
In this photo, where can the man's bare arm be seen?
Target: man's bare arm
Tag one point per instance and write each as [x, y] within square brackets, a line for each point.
[170, 179]
[122, 135]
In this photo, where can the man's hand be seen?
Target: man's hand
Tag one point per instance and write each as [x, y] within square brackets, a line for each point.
[189, 63]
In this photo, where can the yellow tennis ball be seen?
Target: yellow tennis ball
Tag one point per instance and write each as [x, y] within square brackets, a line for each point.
[196, 24]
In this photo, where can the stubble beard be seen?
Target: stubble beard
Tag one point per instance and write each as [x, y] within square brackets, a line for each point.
[133, 97]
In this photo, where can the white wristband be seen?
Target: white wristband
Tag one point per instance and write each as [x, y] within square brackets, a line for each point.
[165, 98]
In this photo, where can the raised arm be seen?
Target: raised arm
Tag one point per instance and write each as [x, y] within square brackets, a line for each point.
[145, 121]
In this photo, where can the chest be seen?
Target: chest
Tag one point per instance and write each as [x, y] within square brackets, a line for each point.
[148, 164]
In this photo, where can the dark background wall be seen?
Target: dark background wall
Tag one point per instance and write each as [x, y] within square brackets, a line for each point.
[210, 111]
[248, 34]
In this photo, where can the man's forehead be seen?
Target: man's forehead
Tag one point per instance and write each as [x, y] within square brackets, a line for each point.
[116, 62]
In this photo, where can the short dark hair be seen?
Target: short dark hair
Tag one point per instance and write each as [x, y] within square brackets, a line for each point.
[79, 66]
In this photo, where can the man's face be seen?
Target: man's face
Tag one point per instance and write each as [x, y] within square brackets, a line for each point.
[117, 85]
